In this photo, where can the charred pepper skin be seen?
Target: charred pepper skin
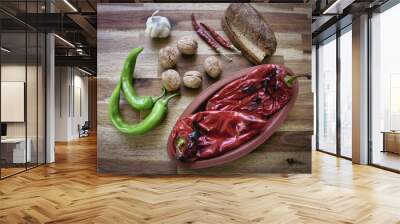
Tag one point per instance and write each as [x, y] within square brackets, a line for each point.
[261, 92]
[208, 134]
[235, 114]
[152, 120]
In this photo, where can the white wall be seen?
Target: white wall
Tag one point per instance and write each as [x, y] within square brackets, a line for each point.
[62, 80]
[70, 83]
[33, 126]
[12, 73]
[80, 88]
[12, 101]
[17, 73]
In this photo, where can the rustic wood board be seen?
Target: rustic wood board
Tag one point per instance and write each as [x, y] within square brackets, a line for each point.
[121, 28]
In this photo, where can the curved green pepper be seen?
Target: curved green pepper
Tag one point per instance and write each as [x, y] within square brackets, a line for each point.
[137, 102]
[155, 117]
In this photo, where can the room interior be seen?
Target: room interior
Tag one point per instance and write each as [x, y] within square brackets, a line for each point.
[48, 119]
[22, 101]
[335, 78]
[25, 65]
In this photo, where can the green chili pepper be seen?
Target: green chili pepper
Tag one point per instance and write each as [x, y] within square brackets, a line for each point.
[156, 115]
[137, 102]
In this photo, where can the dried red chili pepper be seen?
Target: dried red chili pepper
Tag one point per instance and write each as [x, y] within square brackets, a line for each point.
[261, 92]
[224, 42]
[207, 38]
[209, 134]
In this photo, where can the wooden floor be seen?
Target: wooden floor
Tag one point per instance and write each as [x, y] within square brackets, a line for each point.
[387, 159]
[70, 191]
[8, 171]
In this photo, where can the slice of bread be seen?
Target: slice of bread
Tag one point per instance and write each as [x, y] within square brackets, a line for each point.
[248, 31]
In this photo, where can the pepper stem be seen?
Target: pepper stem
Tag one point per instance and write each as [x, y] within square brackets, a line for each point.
[168, 98]
[290, 79]
[161, 95]
[180, 142]
[223, 55]
[235, 49]
[154, 13]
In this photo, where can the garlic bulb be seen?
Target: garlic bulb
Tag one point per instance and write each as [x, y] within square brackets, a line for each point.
[157, 26]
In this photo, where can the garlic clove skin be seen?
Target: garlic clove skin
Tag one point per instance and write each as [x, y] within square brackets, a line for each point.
[157, 26]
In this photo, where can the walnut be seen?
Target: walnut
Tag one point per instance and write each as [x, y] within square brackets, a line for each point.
[187, 45]
[171, 80]
[168, 57]
[213, 66]
[192, 79]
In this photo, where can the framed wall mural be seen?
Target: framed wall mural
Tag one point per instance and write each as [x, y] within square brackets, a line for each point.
[212, 89]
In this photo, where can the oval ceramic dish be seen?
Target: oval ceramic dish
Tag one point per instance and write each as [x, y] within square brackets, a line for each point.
[198, 104]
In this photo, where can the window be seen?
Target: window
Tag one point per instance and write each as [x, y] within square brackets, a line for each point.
[334, 106]
[22, 76]
[385, 89]
[326, 136]
[346, 92]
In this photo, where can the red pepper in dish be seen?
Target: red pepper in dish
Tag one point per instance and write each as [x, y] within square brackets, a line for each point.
[209, 134]
[261, 92]
[207, 38]
[224, 42]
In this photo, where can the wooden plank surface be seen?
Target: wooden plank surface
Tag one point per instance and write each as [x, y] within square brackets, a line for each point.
[121, 28]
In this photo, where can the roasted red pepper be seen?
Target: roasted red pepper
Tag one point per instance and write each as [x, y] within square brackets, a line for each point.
[209, 134]
[261, 92]
[234, 115]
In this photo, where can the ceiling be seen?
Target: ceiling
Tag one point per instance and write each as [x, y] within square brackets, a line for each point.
[74, 22]
[331, 15]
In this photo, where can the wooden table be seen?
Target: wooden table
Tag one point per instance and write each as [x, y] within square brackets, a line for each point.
[14, 150]
[391, 141]
[121, 28]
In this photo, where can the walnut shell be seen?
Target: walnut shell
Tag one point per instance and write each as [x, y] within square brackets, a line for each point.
[171, 80]
[192, 79]
[187, 45]
[213, 66]
[168, 57]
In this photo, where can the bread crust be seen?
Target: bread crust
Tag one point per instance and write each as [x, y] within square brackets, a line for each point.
[242, 23]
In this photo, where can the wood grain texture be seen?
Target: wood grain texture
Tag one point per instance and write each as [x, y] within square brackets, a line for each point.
[71, 191]
[121, 28]
[92, 106]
